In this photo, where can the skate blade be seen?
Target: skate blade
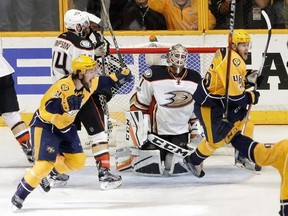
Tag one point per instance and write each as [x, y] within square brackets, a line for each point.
[241, 166]
[110, 185]
[58, 184]
[14, 209]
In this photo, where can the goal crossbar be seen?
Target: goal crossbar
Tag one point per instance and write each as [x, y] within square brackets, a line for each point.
[149, 50]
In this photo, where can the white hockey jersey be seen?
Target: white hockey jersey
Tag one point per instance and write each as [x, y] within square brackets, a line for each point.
[67, 47]
[168, 101]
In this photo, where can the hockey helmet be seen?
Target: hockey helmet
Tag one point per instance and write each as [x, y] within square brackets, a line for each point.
[76, 20]
[92, 17]
[177, 56]
[83, 63]
[240, 36]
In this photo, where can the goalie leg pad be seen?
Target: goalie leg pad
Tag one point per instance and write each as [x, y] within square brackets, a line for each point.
[174, 163]
[123, 158]
[147, 162]
[137, 128]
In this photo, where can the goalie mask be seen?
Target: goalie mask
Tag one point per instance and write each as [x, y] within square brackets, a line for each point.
[77, 21]
[177, 57]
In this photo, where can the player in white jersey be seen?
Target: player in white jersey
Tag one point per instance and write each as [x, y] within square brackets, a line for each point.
[68, 46]
[9, 110]
[166, 95]
[71, 44]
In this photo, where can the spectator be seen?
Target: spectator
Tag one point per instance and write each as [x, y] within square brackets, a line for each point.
[276, 14]
[285, 13]
[180, 14]
[116, 11]
[247, 13]
[141, 17]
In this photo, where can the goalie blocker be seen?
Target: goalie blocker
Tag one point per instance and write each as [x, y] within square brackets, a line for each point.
[147, 162]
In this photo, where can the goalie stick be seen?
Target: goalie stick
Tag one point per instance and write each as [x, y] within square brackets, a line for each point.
[122, 63]
[161, 143]
[169, 146]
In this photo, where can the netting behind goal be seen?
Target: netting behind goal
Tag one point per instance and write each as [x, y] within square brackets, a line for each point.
[138, 60]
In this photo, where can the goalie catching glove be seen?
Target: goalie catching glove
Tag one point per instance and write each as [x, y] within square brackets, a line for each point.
[121, 77]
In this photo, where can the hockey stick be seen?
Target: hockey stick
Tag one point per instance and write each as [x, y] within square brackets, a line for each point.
[102, 97]
[269, 28]
[122, 63]
[163, 144]
[266, 17]
[231, 31]
[169, 146]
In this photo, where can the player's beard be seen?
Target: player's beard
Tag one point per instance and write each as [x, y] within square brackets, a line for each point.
[85, 84]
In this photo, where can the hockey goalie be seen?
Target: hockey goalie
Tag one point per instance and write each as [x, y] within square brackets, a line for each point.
[161, 118]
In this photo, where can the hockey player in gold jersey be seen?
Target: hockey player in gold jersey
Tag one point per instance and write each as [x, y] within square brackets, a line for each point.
[53, 134]
[209, 108]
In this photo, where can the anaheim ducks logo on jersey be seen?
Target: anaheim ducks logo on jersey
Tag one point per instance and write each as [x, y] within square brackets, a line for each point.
[178, 99]
[236, 62]
[85, 43]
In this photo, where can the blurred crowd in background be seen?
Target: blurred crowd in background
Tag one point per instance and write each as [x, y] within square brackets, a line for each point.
[43, 15]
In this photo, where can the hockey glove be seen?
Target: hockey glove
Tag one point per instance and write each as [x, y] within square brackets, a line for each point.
[121, 77]
[252, 78]
[253, 96]
[101, 50]
[74, 102]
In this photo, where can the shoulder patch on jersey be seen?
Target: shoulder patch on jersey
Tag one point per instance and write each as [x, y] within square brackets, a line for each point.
[85, 43]
[236, 62]
[64, 87]
[148, 73]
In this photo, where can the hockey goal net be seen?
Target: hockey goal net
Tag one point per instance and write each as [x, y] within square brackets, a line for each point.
[138, 60]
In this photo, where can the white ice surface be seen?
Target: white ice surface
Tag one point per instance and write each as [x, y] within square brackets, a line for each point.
[225, 190]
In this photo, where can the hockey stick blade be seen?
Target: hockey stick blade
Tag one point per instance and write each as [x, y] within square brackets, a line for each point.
[169, 146]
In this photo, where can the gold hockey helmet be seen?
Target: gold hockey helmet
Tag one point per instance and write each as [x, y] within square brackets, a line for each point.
[83, 63]
[240, 36]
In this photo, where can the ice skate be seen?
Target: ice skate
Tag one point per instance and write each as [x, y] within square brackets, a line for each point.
[27, 149]
[57, 179]
[108, 180]
[44, 185]
[17, 203]
[243, 162]
[194, 169]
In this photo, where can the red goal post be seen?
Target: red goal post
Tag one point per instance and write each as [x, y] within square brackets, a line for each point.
[199, 59]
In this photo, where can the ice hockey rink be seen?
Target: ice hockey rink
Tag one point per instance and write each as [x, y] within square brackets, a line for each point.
[225, 190]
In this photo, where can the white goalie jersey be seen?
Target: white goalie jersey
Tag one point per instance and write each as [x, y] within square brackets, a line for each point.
[167, 100]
